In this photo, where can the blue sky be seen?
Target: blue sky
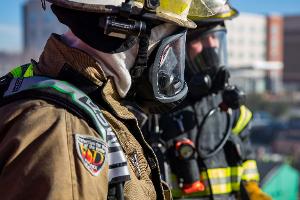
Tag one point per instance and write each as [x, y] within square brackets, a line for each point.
[10, 25]
[11, 21]
[285, 7]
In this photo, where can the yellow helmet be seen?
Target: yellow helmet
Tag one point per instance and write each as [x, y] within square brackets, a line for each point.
[222, 13]
[173, 11]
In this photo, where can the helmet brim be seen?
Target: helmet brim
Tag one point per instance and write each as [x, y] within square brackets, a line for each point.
[232, 13]
[87, 7]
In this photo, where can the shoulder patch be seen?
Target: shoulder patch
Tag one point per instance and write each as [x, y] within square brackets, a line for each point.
[92, 152]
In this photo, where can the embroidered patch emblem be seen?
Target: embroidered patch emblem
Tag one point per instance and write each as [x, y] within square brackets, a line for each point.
[92, 152]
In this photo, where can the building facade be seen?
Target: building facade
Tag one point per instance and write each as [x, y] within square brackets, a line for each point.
[38, 25]
[255, 52]
[246, 39]
[291, 74]
[274, 38]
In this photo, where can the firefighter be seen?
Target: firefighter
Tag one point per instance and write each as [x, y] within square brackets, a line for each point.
[204, 147]
[65, 133]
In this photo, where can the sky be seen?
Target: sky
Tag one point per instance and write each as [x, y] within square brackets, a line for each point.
[11, 25]
[11, 20]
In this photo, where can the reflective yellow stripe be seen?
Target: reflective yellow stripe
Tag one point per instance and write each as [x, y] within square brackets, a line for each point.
[236, 171]
[251, 177]
[250, 164]
[250, 171]
[221, 172]
[29, 72]
[23, 71]
[244, 119]
[216, 173]
[17, 72]
[221, 189]
[222, 180]
[236, 186]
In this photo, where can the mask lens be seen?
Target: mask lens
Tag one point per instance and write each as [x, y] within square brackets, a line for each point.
[168, 69]
[209, 52]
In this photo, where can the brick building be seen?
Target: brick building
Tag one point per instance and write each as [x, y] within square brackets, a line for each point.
[255, 49]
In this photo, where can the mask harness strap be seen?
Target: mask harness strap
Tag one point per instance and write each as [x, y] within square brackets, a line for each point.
[142, 57]
[141, 62]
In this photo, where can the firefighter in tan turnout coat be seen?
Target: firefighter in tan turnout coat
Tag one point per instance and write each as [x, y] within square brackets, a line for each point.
[65, 133]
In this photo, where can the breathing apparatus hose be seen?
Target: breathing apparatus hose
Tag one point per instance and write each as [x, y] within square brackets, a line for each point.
[219, 146]
[223, 140]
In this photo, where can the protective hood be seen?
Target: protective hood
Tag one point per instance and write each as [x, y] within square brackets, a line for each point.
[117, 65]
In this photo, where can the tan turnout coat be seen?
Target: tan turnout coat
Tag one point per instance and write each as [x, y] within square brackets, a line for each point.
[38, 158]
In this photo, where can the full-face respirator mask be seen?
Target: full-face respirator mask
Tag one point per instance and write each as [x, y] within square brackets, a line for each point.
[162, 86]
[207, 61]
[158, 83]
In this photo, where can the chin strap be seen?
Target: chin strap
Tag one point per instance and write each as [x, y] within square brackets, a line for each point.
[140, 63]
[142, 57]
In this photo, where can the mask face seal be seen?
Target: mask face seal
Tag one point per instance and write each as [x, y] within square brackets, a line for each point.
[167, 72]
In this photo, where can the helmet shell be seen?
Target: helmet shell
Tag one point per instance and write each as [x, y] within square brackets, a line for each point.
[173, 11]
[224, 13]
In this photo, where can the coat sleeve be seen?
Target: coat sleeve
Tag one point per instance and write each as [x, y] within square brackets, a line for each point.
[38, 158]
[242, 128]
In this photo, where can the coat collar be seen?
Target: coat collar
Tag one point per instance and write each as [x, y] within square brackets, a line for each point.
[57, 54]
